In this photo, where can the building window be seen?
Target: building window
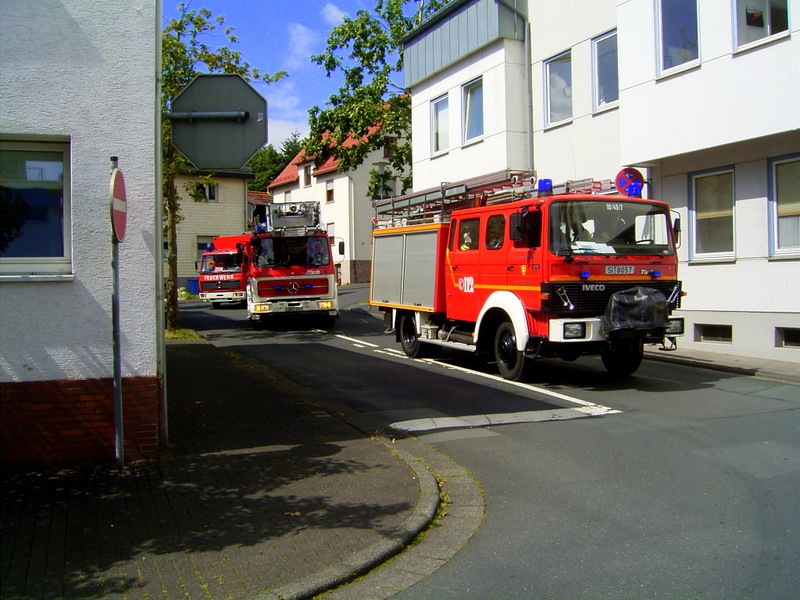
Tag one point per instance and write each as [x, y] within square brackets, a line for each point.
[785, 204]
[760, 19]
[787, 337]
[287, 196]
[678, 33]
[35, 209]
[712, 204]
[307, 176]
[558, 75]
[204, 242]
[606, 74]
[439, 126]
[388, 146]
[473, 110]
[329, 190]
[165, 250]
[714, 333]
[207, 191]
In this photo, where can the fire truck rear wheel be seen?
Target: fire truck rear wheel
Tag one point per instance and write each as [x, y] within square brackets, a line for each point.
[510, 359]
[409, 339]
[625, 357]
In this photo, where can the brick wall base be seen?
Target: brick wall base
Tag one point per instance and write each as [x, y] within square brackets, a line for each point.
[71, 423]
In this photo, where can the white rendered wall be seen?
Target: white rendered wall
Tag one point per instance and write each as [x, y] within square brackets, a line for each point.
[504, 143]
[85, 71]
[731, 96]
[587, 146]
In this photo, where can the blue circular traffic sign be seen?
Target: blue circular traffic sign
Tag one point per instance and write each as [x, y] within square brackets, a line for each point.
[626, 177]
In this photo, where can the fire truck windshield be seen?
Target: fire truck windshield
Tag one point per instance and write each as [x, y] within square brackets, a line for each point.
[220, 263]
[610, 226]
[294, 251]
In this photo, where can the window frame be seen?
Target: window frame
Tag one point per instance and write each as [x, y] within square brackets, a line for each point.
[739, 9]
[467, 105]
[663, 70]
[598, 106]
[437, 147]
[58, 267]
[548, 122]
[774, 217]
[694, 254]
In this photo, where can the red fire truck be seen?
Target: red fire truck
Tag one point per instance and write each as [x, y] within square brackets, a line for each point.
[496, 265]
[290, 266]
[221, 276]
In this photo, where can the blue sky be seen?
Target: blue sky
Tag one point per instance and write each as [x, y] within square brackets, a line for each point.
[277, 35]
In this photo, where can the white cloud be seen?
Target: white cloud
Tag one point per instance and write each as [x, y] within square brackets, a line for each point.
[301, 46]
[332, 14]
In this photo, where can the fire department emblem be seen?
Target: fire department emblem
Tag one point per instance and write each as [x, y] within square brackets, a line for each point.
[293, 287]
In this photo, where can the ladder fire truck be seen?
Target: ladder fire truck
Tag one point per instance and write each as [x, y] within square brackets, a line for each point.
[497, 265]
[290, 267]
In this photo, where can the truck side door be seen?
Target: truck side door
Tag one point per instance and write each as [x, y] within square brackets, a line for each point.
[463, 269]
[524, 260]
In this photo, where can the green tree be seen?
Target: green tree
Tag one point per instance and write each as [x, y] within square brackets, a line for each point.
[367, 51]
[268, 162]
[184, 55]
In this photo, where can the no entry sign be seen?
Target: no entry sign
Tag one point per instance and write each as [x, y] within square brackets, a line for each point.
[119, 205]
[626, 177]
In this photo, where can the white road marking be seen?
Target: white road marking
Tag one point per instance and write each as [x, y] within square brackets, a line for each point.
[531, 416]
[583, 410]
[344, 337]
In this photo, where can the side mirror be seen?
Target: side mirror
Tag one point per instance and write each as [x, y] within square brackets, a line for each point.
[515, 227]
[676, 227]
[341, 247]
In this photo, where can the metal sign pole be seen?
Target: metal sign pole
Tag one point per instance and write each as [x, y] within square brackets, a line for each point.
[118, 426]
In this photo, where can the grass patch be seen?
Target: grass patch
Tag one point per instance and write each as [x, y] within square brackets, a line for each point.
[181, 334]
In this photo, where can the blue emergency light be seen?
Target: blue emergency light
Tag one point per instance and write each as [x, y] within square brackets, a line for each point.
[545, 187]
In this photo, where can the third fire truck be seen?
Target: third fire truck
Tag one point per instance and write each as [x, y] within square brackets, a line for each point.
[496, 265]
[290, 266]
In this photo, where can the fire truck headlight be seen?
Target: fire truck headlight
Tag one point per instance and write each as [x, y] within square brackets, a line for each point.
[325, 304]
[574, 331]
[675, 327]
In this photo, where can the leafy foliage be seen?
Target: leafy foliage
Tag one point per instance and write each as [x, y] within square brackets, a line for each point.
[269, 162]
[185, 55]
[367, 51]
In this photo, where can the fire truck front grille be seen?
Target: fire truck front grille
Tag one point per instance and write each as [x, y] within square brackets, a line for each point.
[283, 288]
[589, 297]
[219, 286]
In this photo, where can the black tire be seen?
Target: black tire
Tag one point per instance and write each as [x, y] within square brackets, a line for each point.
[216, 304]
[409, 340]
[625, 357]
[510, 360]
[327, 321]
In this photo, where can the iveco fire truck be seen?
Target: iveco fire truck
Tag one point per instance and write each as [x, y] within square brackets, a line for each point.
[221, 276]
[290, 266]
[497, 265]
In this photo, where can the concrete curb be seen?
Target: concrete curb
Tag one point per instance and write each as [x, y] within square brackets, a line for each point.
[377, 554]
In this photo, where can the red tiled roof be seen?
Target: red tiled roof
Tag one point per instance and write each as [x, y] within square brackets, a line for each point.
[290, 174]
[259, 198]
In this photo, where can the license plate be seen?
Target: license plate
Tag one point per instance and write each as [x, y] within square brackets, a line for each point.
[294, 308]
[620, 270]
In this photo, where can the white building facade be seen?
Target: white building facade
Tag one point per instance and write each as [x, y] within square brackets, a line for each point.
[699, 95]
[79, 85]
[346, 210]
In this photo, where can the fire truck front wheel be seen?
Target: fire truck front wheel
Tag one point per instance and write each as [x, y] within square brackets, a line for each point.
[623, 357]
[510, 359]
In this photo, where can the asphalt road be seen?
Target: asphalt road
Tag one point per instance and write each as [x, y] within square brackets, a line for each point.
[684, 484]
